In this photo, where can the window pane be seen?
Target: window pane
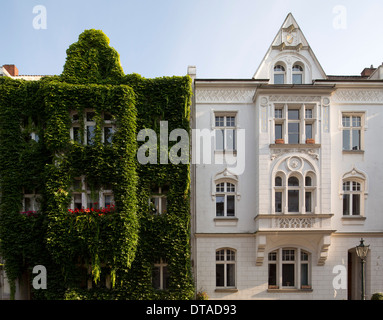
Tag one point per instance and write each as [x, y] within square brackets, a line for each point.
[304, 274]
[279, 78]
[220, 187]
[219, 275]
[278, 182]
[90, 133]
[77, 201]
[273, 256]
[346, 204]
[297, 79]
[356, 121]
[293, 202]
[154, 205]
[108, 200]
[220, 205]
[230, 255]
[230, 206]
[355, 139]
[293, 132]
[345, 121]
[230, 121]
[346, 186]
[156, 278]
[288, 255]
[219, 121]
[308, 181]
[219, 139]
[288, 275]
[272, 274]
[356, 204]
[220, 255]
[76, 134]
[164, 203]
[230, 275]
[90, 116]
[293, 114]
[278, 202]
[346, 140]
[278, 113]
[27, 204]
[165, 278]
[230, 187]
[230, 138]
[309, 131]
[308, 113]
[293, 182]
[308, 201]
[278, 131]
[108, 134]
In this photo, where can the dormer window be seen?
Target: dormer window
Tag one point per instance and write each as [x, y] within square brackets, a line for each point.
[297, 74]
[279, 74]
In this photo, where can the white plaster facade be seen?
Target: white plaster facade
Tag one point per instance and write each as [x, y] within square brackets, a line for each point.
[293, 230]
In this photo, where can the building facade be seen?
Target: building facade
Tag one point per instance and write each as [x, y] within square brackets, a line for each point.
[293, 182]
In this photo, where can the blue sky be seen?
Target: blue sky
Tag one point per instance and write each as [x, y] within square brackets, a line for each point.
[223, 38]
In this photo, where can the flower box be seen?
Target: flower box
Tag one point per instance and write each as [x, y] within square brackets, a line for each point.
[310, 141]
[279, 141]
[305, 287]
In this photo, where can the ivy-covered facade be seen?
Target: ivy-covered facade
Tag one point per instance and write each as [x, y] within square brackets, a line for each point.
[74, 197]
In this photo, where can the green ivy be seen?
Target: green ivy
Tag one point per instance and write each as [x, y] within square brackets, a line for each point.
[124, 243]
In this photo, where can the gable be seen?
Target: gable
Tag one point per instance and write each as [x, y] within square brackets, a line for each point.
[290, 47]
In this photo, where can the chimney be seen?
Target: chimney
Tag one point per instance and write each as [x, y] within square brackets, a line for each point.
[367, 71]
[11, 69]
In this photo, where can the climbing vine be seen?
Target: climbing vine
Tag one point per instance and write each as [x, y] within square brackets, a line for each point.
[38, 153]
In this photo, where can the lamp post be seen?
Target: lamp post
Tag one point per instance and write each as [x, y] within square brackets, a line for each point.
[361, 251]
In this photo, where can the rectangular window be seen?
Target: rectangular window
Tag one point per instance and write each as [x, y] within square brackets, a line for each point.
[297, 78]
[278, 113]
[272, 274]
[278, 201]
[225, 133]
[220, 206]
[293, 202]
[230, 274]
[220, 275]
[90, 134]
[288, 273]
[108, 135]
[279, 78]
[293, 132]
[304, 274]
[352, 132]
[308, 200]
[346, 204]
[309, 131]
[278, 131]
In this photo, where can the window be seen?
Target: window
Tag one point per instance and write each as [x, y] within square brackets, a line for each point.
[298, 195]
[160, 275]
[225, 268]
[297, 74]
[88, 135]
[225, 132]
[225, 199]
[293, 194]
[31, 201]
[158, 200]
[294, 123]
[352, 192]
[289, 268]
[84, 198]
[279, 74]
[352, 132]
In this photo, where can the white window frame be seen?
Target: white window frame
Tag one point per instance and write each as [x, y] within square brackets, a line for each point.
[356, 187]
[34, 200]
[279, 261]
[351, 128]
[85, 193]
[226, 125]
[281, 112]
[159, 196]
[279, 69]
[161, 265]
[229, 256]
[300, 72]
[224, 189]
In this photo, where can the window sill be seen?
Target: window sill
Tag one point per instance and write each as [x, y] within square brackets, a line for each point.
[353, 151]
[226, 290]
[225, 221]
[228, 152]
[354, 217]
[295, 145]
[289, 290]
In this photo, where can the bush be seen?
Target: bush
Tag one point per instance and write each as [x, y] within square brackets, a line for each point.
[377, 296]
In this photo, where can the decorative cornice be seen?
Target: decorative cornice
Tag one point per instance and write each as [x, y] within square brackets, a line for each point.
[358, 96]
[228, 95]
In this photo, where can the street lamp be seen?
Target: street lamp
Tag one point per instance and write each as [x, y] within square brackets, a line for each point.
[361, 251]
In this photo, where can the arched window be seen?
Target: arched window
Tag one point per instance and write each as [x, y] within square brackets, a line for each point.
[352, 198]
[309, 193]
[278, 194]
[289, 268]
[225, 199]
[293, 194]
[297, 74]
[279, 74]
[225, 268]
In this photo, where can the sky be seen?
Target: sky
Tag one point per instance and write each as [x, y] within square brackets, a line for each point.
[222, 38]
